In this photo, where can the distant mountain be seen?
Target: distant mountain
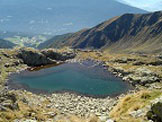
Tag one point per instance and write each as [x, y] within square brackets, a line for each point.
[58, 16]
[6, 44]
[138, 32]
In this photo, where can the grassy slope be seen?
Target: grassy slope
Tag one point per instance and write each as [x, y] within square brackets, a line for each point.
[133, 102]
[55, 42]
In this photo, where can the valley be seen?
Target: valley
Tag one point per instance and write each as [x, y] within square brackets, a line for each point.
[23, 39]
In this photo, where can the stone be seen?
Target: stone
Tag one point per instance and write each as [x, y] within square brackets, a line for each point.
[2, 108]
[7, 65]
[103, 118]
[109, 120]
[51, 114]
[29, 120]
[137, 113]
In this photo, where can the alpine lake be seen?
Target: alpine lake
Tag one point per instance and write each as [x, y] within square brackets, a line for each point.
[86, 78]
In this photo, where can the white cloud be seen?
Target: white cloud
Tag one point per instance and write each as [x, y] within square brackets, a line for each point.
[61, 29]
[68, 24]
[32, 22]
[9, 16]
[49, 8]
[150, 5]
[1, 20]
[4, 20]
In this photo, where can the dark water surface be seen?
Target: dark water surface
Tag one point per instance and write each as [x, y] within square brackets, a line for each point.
[87, 78]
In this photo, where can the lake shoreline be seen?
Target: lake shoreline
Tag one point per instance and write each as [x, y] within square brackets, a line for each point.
[16, 86]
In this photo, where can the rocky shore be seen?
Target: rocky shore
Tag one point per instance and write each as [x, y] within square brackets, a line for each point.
[140, 75]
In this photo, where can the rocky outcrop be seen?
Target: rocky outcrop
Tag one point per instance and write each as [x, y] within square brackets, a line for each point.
[139, 76]
[142, 76]
[33, 57]
[55, 55]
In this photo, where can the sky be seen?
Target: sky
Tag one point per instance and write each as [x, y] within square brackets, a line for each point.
[149, 5]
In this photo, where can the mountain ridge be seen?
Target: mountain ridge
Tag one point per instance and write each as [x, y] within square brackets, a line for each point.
[121, 32]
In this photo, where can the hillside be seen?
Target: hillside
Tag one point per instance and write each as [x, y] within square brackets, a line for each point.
[6, 44]
[58, 16]
[58, 41]
[135, 32]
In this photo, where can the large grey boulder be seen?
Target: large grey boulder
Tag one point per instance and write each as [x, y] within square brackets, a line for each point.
[33, 57]
[61, 56]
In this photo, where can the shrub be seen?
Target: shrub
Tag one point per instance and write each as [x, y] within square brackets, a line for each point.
[155, 113]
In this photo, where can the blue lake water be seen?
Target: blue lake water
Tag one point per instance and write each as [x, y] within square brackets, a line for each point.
[87, 79]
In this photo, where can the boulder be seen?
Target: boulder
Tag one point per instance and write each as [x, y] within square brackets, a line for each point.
[138, 113]
[60, 56]
[33, 57]
[142, 76]
[110, 120]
